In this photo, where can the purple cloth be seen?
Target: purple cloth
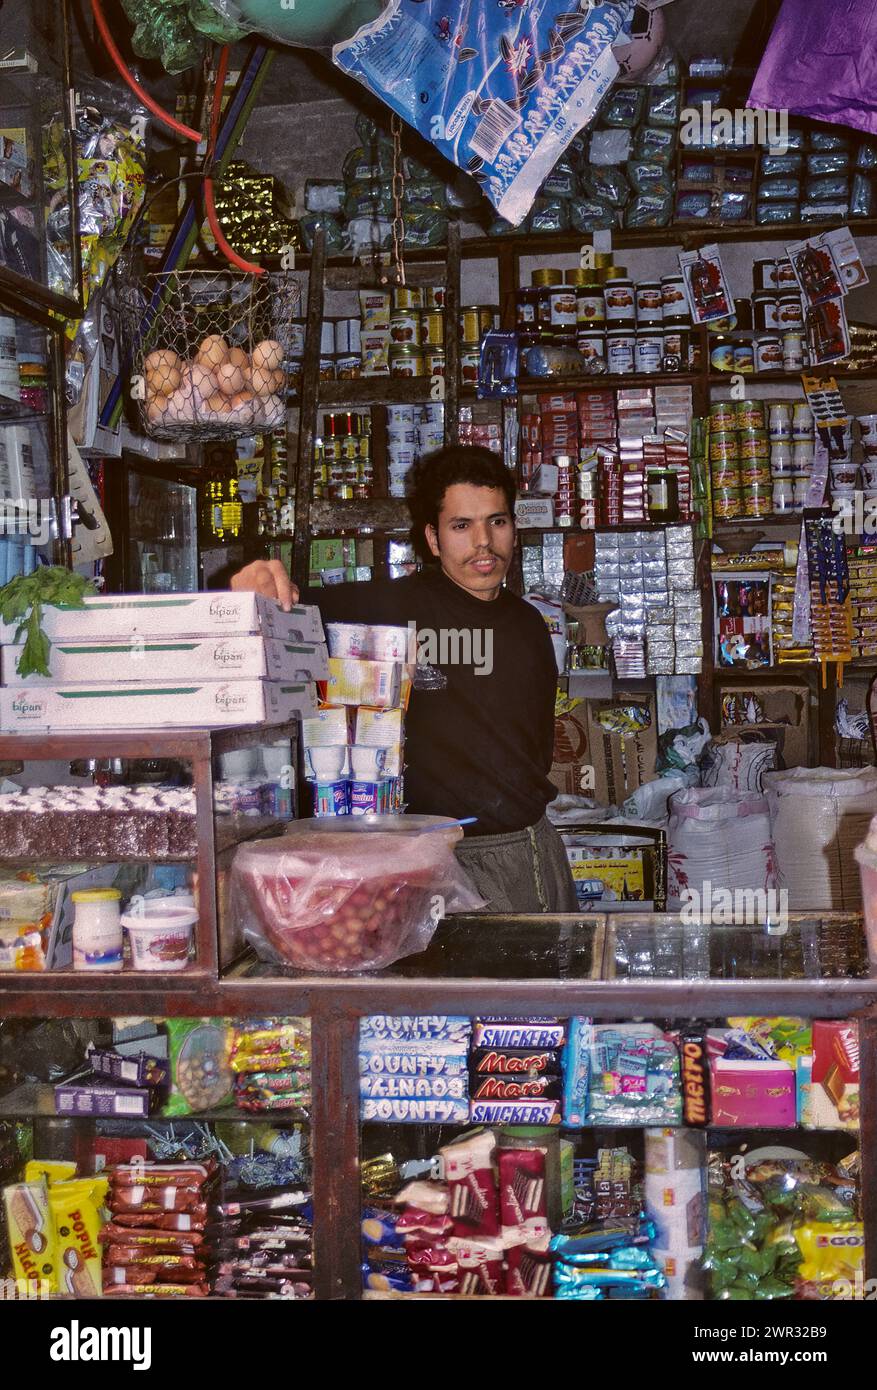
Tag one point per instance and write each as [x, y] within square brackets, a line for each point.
[821, 62]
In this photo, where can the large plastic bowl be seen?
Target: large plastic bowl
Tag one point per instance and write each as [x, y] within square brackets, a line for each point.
[345, 894]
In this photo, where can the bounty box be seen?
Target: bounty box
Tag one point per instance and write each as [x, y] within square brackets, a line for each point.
[153, 704]
[246, 657]
[177, 615]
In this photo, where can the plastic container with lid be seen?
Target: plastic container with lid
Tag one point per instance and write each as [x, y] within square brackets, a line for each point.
[161, 934]
[349, 895]
[407, 361]
[649, 303]
[97, 929]
[620, 353]
[527, 309]
[591, 343]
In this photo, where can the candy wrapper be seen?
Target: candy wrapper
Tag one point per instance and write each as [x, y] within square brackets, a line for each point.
[709, 297]
[501, 91]
[201, 1078]
[743, 627]
[634, 1075]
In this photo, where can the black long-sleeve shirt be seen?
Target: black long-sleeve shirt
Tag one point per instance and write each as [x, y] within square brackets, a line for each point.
[482, 746]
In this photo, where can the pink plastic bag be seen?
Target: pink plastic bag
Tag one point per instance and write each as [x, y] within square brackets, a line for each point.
[821, 61]
[350, 894]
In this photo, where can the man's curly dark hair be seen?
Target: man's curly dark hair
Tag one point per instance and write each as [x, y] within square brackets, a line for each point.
[433, 474]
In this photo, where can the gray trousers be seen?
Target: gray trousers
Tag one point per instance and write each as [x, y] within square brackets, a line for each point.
[526, 871]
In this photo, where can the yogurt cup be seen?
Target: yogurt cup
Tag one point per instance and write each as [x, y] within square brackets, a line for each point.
[327, 764]
[160, 935]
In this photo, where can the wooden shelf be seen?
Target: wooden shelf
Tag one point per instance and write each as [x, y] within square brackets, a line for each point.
[588, 381]
[398, 390]
[378, 514]
[790, 378]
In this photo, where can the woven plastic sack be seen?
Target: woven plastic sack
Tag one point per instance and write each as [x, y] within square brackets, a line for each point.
[738, 763]
[819, 816]
[346, 894]
[718, 840]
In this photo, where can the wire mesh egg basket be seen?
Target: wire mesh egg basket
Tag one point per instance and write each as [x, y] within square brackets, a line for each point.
[209, 351]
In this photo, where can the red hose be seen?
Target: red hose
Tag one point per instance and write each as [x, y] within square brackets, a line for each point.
[132, 82]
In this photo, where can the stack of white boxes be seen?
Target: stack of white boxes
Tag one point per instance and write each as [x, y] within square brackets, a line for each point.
[200, 660]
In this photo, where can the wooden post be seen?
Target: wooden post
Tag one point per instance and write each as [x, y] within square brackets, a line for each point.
[452, 337]
[310, 386]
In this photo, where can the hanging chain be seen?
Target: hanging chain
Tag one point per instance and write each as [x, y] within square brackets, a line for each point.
[398, 191]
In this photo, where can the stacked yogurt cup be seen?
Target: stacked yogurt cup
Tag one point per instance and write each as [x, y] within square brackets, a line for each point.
[791, 433]
[412, 430]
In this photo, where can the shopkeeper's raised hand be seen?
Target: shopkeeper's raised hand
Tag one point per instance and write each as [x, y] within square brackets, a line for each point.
[267, 577]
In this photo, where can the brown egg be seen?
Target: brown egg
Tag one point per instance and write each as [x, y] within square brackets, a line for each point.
[162, 369]
[242, 407]
[212, 350]
[268, 354]
[217, 404]
[156, 406]
[180, 407]
[203, 382]
[240, 359]
[267, 382]
[230, 378]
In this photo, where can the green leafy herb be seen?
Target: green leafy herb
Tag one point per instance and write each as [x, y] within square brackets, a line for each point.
[22, 601]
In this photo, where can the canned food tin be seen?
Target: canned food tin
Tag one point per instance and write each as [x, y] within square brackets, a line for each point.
[603, 261]
[407, 297]
[790, 311]
[365, 448]
[469, 365]
[341, 493]
[434, 361]
[755, 471]
[620, 353]
[723, 417]
[327, 369]
[432, 328]
[563, 308]
[727, 503]
[327, 338]
[765, 311]
[527, 309]
[757, 501]
[768, 354]
[674, 300]
[400, 417]
[592, 345]
[350, 447]
[332, 450]
[348, 368]
[724, 445]
[404, 328]
[676, 344]
[577, 276]
[407, 361]
[750, 415]
[649, 303]
[620, 299]
[295, 339]
[362, 492]
[754, 444]
[744, 357]
[722, 357]
[590, 304]
[649, 352]
[477, 319]
[726, 473]
[433, 296]
[546, 275]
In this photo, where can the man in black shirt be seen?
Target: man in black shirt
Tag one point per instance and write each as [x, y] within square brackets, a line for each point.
[479, 730]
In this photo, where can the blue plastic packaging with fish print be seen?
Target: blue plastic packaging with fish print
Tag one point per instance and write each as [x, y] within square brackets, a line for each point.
[500, 87]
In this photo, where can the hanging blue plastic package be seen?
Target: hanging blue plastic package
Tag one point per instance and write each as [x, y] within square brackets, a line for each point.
[500, 87]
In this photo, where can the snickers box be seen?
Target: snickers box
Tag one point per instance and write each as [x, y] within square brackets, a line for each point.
[834, 1090]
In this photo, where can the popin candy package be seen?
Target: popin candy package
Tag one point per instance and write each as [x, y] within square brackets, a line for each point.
[501, 90]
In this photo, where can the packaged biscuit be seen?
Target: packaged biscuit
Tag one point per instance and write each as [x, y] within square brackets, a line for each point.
[76, 1217]
[29, 1226]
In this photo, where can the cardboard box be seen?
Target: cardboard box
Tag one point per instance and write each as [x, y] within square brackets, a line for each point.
[177, 615]
[327, 728]
[535, 512]
[153, 704]
[571, 770]
[621, 764]
[210, 658]
[753, 1094]
[787, 714]
[97, 1098]
[834, 1089]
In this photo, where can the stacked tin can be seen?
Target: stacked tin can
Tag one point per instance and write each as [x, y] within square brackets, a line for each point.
[780, 344]
[343, 467]
[475, 321]
[340, 351]
[740, 460]
[790, 425]
[417, 331]
[616, 325]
